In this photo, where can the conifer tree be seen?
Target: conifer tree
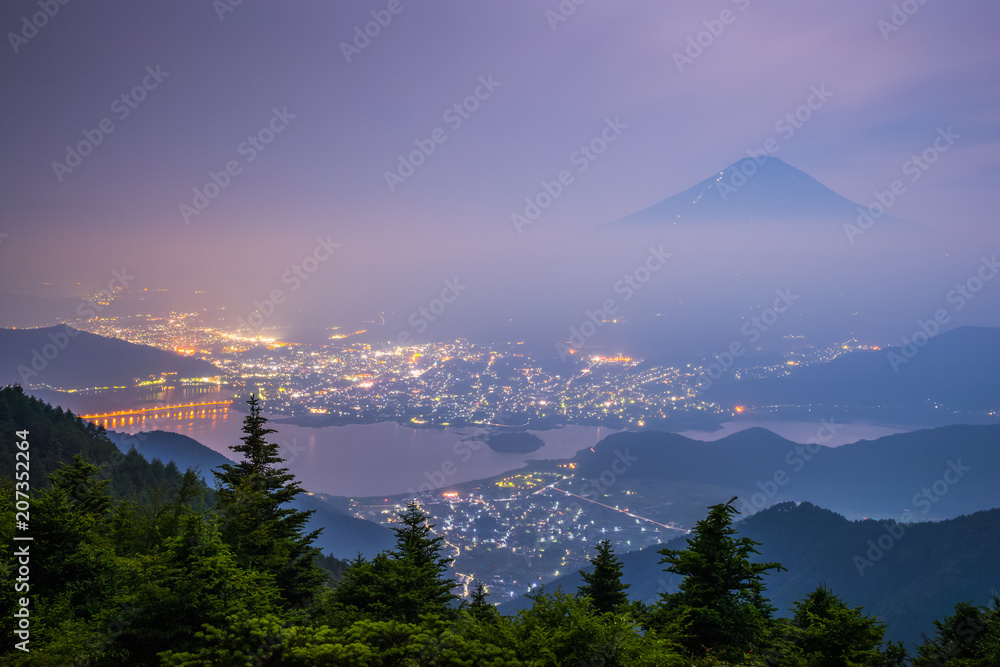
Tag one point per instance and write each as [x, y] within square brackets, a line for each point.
[479, 607]
[420, 566]
[604, 585]
[262, 530]
[830, 634]
[403, 583]
[720, 602]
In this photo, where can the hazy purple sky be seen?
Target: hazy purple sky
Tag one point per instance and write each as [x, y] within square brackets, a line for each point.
[324, 172]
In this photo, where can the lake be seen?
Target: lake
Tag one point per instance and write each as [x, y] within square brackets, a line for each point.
[388, 458]
[380, 459]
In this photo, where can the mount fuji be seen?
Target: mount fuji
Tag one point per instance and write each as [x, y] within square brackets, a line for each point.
[765, 189]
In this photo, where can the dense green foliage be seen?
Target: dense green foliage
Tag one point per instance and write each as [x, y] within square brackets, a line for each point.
[720, 605]
[968, 638]
[175, 580]
[402, 584]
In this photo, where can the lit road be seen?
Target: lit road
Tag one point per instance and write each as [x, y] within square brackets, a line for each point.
[626, 513]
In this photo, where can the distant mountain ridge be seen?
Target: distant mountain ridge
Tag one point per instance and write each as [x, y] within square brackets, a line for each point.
[64, 357]
[930, 474]
[955, 374]
[761, 189]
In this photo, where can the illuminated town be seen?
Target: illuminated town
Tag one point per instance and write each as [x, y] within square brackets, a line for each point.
[454, 383]
[527, 527]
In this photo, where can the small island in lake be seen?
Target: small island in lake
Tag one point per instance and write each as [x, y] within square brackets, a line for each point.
[520, 442]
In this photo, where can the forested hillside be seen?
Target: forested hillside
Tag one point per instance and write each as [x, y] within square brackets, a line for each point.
[904, 574]
[343, 536]
[113, 577]
[58, 436]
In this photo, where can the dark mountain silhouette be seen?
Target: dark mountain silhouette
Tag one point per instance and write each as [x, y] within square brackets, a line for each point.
[65, 357]
[928, 474]
[917, 574]
[751, 189]
[953, 376]
[166, 446]
[344, 536]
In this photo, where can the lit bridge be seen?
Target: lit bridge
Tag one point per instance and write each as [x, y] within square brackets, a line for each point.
[185, 411]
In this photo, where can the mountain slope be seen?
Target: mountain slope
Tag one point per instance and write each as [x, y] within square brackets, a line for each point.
[751, 189]
[65, 357]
